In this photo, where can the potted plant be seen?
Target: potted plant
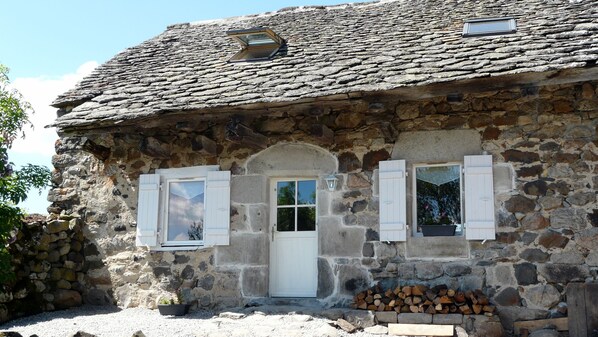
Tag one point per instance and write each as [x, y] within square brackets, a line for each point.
[440, 225]
[173, 305]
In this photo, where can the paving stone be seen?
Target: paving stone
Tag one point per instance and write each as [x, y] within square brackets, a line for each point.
[386, 316]
[376, 330]
[231, 315]
[345, 326]
[360, 318]
[455, 319]
[414, 318]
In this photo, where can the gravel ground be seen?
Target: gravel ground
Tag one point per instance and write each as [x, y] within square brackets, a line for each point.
[114, 322]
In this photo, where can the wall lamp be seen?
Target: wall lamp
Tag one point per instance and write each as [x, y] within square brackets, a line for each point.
[331, 181]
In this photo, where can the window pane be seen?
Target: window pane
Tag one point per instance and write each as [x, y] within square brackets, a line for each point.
[306, 219]
[489, 27]
[286, 192]
[285, 219]
[185, 210]
[306, 192]
[438, 195]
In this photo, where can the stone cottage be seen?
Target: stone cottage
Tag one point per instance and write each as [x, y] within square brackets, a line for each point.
[305, 152]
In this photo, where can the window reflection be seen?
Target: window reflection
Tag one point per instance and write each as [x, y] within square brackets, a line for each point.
[286, 192]
[185, 210]
[438, 195]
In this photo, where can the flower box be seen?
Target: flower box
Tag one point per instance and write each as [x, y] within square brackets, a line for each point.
[438, 230]
[173, 309]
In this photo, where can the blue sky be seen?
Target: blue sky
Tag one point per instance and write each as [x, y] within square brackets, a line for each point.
[50, 45]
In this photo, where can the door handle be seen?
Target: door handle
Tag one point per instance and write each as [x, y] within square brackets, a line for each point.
[273, 227]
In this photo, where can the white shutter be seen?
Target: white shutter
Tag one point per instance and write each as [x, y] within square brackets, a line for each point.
[217, 218]
[147, 210]
[393, 202]
[479, 198]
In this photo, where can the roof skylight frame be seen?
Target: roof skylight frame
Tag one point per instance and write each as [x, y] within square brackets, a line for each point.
[508, 22]
[258, 44]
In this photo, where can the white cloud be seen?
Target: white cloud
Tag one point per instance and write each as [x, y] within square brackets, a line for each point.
[40, 92]
[38, 145]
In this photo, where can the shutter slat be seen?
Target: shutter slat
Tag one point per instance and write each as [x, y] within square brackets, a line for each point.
[217, 221]
[147, 210]
[393, 202]
[479, 198]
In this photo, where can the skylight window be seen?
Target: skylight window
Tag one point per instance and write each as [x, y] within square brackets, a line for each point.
[258, 44]
[489, 26]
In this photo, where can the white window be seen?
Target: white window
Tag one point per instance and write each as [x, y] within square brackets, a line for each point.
[184, 208]
[437, 199]
[442, 196]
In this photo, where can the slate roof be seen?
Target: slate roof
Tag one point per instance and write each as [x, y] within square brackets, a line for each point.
[332, 50]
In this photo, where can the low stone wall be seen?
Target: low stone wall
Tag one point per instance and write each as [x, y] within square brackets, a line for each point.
[49, 266]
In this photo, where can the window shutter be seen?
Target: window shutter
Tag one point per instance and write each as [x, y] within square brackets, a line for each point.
[217, 218]
[147, 210]
[393, 202]
[479, 198]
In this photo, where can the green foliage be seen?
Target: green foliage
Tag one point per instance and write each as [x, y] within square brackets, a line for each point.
[14, 184]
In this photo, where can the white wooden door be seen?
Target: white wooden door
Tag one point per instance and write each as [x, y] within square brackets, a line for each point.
[293, 238]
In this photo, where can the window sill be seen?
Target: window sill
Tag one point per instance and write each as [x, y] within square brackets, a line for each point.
[176, 248]
[437, 248]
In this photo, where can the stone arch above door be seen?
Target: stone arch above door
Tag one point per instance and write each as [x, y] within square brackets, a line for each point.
[292, 159]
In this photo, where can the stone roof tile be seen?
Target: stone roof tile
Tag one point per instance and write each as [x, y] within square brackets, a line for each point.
[331, 50]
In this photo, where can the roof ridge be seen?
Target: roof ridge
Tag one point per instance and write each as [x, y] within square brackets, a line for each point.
[285, 10]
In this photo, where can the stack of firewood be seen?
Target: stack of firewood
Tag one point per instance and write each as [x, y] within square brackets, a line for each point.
[419, 298]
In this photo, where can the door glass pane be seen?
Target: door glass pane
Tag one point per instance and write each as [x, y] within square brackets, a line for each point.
[285, 219]
[285, 192]
[438, 195]
[185, 210]
[306, 218]
[306, 192]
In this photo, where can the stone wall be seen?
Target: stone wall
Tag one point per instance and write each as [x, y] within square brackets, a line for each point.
[543, 142]
[49, 265]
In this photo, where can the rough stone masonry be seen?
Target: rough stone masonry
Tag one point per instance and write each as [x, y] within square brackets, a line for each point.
[544, 148]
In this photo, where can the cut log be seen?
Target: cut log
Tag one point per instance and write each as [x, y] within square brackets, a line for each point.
[406, 290]
[465, 309]
[489, 308]
[459, 297]
[418, 290]
[414, 309]
[477, 308]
